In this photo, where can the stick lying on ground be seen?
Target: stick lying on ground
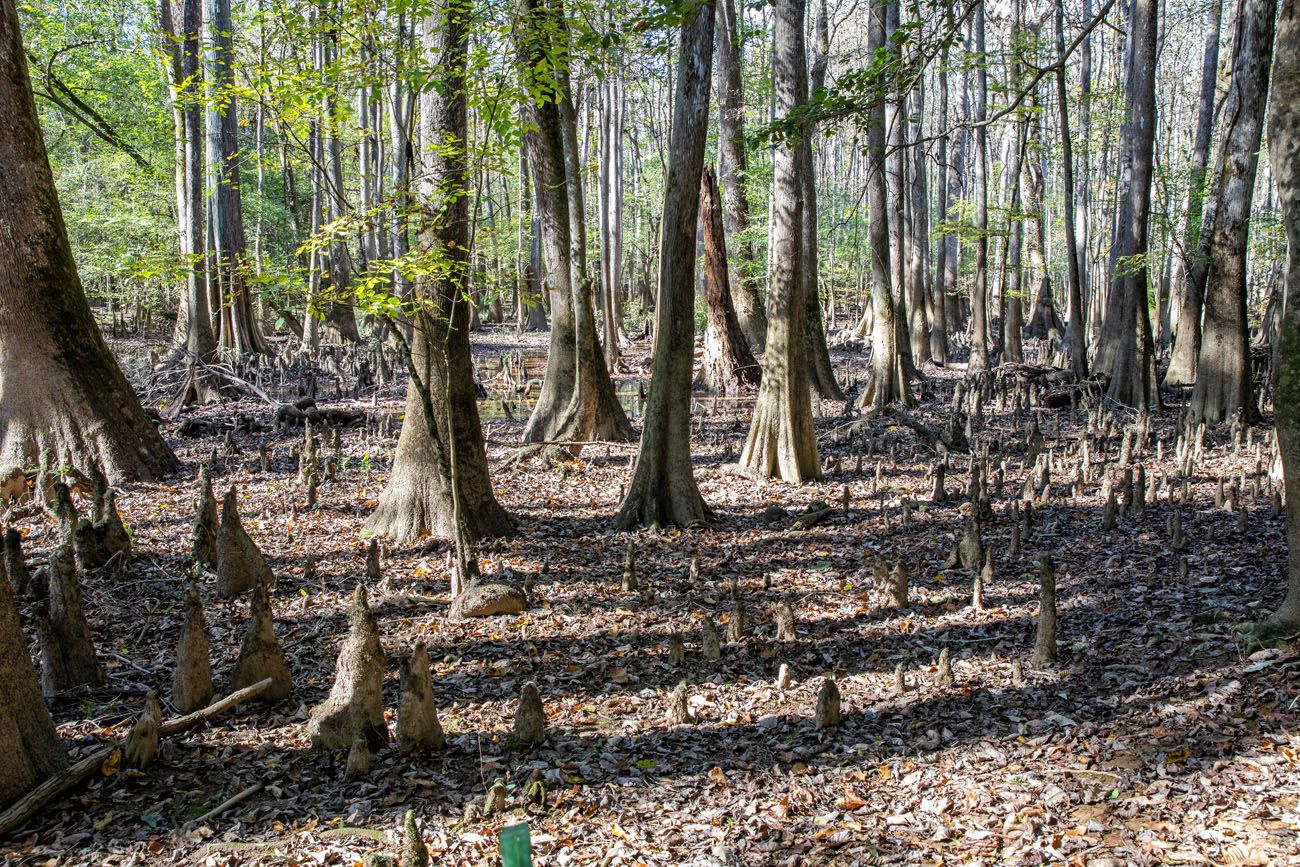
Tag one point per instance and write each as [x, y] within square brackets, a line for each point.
[31, 803]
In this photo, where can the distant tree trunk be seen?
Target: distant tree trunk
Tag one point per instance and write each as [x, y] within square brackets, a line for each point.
[612, 109]
[439, 484]
[1187, 333]
[227, 246]
[727, 365]
[577, 399]
[979, 326]
[941, 287]
[1128, 354]
[1044, 323]
[59, 384]
[1284, 157]
[889, 381]
[338, 310]
[731, 147]
[1223, 370]
[180, 47]
[819, 358]
[918, 245]
[781, 443]
[663, 489]
[1076, 341]
[1012, 277]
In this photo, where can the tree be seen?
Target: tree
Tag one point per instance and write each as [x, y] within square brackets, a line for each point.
[227, 244]
[439, 484]
[577, 399]
[1075, 341]
[734, 173]
[58, 380]
[979, 323]
[1126, 353]
[1189, 273]
[663, 489]
[1223, 372]
[781, 442]
[727, 365]
[1284, 155]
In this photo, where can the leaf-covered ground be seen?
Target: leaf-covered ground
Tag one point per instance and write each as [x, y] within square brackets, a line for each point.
[1156, 738]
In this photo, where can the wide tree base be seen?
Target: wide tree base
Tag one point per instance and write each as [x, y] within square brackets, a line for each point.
[416, 504]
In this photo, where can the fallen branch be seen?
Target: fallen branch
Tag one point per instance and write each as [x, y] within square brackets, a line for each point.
[34, 801]
[233, 801]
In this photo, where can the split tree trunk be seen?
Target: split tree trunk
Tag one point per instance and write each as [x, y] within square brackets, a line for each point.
[1223, 370]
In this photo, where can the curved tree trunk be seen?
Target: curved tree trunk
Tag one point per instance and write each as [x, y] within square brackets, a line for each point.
[1284, 156]
[440, 468]
[663, 489]
[58, 380]
[781, 442]
[1223, 371]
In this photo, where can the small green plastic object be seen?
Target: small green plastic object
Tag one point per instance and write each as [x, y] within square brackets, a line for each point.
[516, 846]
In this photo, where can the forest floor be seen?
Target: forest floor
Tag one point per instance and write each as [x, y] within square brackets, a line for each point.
[1158, 737]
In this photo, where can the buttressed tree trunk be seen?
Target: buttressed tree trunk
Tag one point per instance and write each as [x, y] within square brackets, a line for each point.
[577, 399]
[727, 365]
[441, 458]
[1223, 372]
[58, 379]
[781, 442]
[1284, 156]
[663, 489]
[731, 145]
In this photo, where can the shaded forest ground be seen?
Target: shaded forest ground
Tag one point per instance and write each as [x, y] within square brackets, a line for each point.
[1155, 739]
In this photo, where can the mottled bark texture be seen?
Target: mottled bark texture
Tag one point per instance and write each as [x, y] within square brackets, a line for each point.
[1223, 370]
[1284, 156]
[727, 365]
[58, 379]
[355, 706]
[781, 442]
[440, 476]
[663, 489]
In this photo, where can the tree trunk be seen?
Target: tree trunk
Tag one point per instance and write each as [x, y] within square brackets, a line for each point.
[1075, 339]
[1129, 357]
[781, 442]
[889, 381]
[1284, 156]
[731, 147]
[440, 483]
[59, 384]
[1012, 276]
[1187, 334]
[663, 489]
[727, 366]
[1223, 370]
[941, 287]
[227, 245]
[979, 326]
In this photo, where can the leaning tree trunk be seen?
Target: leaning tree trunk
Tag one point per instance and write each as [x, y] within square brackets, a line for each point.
[58, 381]
[781, 442]
[727, 365]
[1223, 370]
[1284, 156]
[731, 146]
[440, 483]
[663, 489]
[30, 749]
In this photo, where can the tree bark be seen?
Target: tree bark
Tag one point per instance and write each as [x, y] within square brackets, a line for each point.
[1284, 156]
[59, 383]
[734, 173]
[781, 442]
[439, 484]
[663, 489]
[727, 366]
[1223, 370]
[1187, 334]
[979, 326]
[1075, 339]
